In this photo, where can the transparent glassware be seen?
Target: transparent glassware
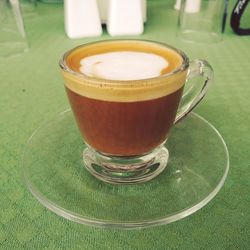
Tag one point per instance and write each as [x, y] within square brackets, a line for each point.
[13, 39]
[202, 20]
[53, 171]
[29, 8]
[115, 165]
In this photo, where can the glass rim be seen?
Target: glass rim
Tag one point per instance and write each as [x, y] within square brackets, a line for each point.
[64, 66]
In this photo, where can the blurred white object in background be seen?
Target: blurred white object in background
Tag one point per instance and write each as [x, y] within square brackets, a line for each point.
[103, 9]
[191, 6]
[81, 18]
[177, 5]
[125, 17]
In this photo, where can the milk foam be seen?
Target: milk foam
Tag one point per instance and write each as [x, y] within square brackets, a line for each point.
[123, 65]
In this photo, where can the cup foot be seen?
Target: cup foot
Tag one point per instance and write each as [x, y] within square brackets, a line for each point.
[126, 170]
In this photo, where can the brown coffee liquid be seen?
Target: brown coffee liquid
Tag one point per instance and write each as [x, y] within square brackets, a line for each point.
[124, 118]
[126, 129]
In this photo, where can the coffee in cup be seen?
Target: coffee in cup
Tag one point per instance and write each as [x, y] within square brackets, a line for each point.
[125, 96]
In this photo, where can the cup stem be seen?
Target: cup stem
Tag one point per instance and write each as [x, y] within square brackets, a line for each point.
[126, 170]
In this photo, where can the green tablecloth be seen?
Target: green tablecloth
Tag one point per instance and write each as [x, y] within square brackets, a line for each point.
[32, 92]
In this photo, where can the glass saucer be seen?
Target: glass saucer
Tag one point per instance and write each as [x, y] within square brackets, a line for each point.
[54, 172]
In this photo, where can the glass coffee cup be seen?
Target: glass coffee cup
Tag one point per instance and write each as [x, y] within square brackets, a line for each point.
[125, 122]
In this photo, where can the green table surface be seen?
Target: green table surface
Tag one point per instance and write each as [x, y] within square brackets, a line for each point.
[32, 92]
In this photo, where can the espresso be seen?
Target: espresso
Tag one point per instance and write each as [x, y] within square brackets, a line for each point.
[124, 128]
[126, 113]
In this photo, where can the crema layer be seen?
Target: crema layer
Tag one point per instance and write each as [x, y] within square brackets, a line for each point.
[128, 90]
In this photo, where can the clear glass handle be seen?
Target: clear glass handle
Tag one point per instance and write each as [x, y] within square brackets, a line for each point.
[200, 75]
